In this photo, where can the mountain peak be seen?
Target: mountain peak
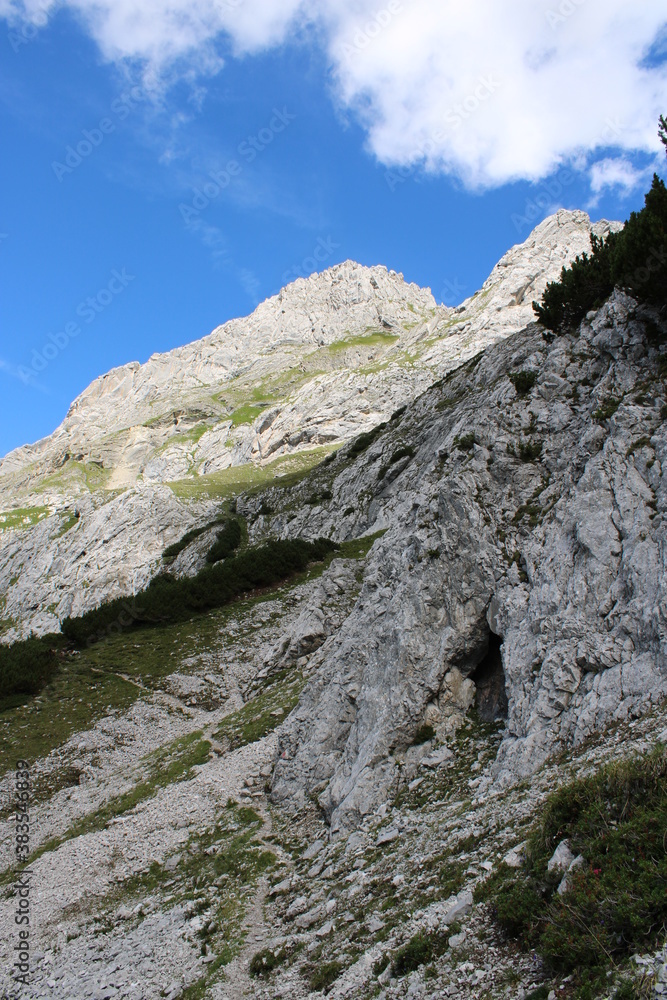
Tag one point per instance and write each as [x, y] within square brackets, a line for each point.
[204, 407]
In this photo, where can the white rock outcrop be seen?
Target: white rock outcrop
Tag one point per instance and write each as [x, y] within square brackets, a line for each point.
[326, 358]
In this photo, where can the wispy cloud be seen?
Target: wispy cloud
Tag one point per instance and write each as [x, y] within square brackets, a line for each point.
[615, 172]
[19, 373]
[411, 70]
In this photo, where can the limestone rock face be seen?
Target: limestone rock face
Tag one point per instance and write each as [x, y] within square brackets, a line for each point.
[535, 518]
[498, 597]
[326, 358]
[314, 364]
[66, 564]
[519, 558]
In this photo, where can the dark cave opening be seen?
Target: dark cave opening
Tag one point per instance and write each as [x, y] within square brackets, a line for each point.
[489, 679]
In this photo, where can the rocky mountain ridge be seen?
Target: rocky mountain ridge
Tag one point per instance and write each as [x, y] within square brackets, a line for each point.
[306, 792]
[328, 357]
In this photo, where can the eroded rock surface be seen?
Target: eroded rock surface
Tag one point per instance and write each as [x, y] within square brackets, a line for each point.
[272, 799]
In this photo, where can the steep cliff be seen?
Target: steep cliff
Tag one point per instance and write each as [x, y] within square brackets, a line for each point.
[317, 789]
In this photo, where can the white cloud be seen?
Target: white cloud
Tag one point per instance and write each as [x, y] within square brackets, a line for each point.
[618, 172]
[494, 92]
[485, 92]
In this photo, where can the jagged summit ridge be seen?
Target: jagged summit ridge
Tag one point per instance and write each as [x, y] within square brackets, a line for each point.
[308, 313]
[329, 357]
[127, 418]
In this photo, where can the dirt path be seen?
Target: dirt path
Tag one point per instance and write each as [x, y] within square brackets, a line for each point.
[238, 983]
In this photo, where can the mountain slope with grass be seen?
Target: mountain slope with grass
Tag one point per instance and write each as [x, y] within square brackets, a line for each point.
[390, 724]
[148, 452]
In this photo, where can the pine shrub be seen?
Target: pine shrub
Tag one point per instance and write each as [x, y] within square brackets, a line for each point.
[26, 667]
[228, 540]
[616, 902]
[634, 259]
[167, 599]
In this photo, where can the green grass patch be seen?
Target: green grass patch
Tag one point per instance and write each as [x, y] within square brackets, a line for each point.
[325, 976]
[69, 519]
[616, 901]
[72, 701]
[263, 713]
[164, 767]
[22, 517]
[377, 339]
[90, 476]
[247, 414]
[287, 470]
[358, 548]
[230, 856]
[88, 685]
[169, 764]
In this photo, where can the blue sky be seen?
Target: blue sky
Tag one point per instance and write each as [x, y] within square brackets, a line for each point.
[325, 142]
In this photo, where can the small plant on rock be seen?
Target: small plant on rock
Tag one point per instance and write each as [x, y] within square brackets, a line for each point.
[325, 976]
[606, 409]
[264, 962]
[529, 451]
[421, 949]
[523, 381]
[465, 442]
[423, 735]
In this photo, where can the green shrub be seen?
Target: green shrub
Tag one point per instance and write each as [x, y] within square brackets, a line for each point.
[173, 550]
[523, 381]
[264, 962]
[423, 735]
[418, 951]
[228, 540]
[641, 442]
[381, 964]
[405, 451]
[364, 440]
[327, 974]
[421, 949]
[397, 414]
[529, 451]
[26, 667]
[626, 990]
[606, 409]
[465, 442]
[317, 498]
[451, 879]
[167, 599]
[634, 259]
[615, 903]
